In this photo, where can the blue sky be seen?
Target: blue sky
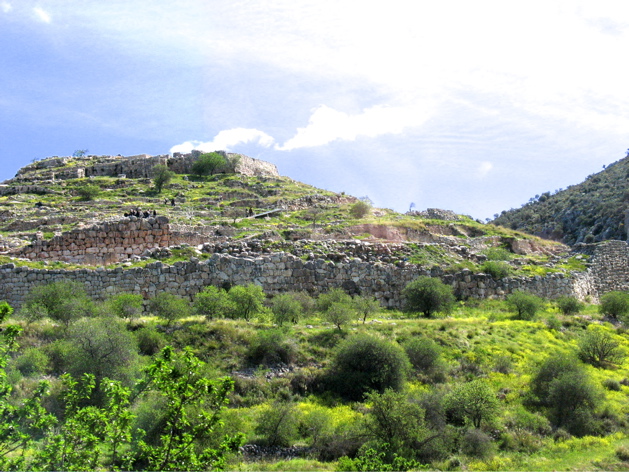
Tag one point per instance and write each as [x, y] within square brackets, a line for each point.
[469, 106]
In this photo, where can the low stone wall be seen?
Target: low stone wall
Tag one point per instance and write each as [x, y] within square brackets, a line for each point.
[101, 244]
[275, 273]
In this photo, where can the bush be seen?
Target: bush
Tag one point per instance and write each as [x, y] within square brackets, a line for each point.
[285, 308]
[62, 301]
[32, 361]
[213, 302]
[126, 305]
[599, 348]
[88, 192]
[363, 363]
[339, 314]
[428, 295]
[497, 269]
[424, 355]
[6, 310]
[562, 385]
[360, 209]
[271, 347]
[208, 163]
[247, 300]
[169, 307]
[150, 341]
[336, 295]
[472, 402]
[475, 443]
[366, 306]
[277, 425]
[569, 305]
[162, 176]
[614, 304]
[524, 304]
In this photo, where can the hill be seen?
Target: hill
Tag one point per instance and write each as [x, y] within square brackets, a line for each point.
[250, 201]
[591, 211]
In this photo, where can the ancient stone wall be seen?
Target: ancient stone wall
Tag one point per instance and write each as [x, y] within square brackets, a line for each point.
[105, 243]
[276, 273]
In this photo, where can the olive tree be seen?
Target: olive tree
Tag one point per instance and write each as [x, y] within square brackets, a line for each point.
[162, 176]
[472, 402]
[208, 163]
[428, 295]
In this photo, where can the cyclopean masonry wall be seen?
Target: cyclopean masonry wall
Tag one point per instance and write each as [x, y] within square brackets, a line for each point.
[101, 244]
[276, 273]
[279, 272]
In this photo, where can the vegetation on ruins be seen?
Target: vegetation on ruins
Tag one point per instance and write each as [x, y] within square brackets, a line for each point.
[232, 378]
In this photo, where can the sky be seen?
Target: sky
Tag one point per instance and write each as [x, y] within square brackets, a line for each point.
[470, 106]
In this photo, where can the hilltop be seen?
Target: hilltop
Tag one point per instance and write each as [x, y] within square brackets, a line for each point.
[244, 203]
[591, 211]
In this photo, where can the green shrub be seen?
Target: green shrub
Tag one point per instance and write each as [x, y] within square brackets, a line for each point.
[425, 357]
[32, 361]
[622, 453]
[497, 269]
[475, 443]
[472, 402]
[599, 348]
[247, 300]
[365, 306]
[162, 176]
[168, 307]
[88, 192]
[126, 305]
[569, 305]
[285, 308]
[270, 347]
[63, 301]
[364, 363]
[612, 384]
[340, 314]
[498, 254]
[335, 295]
[208, 163]
[614, 304]
[6, 310]
[360, 209]
[213, 302]
[428, 295]
[524, 304]
[150, 341]
[278, 425]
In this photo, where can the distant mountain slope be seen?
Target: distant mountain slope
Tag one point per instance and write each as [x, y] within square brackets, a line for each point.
[593, 210]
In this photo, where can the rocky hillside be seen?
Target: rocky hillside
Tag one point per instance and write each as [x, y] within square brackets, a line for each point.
[51, 202]
[591, 211]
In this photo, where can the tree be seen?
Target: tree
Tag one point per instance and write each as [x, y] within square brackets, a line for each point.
[424, 355]
[363, 363]
[360, 209]
[126, 305]
[472, 402]
[80, 152]
[599, 348]
[335, 295]
[365, 306]
[191, 415]
[162, 176]
[88, 192]
[169, 307]
[213, 302]
[63, 301]
[614, 304]
[397, 424]
[524, 304]
[102, 347]
[277, 424]
[339, 314]
[208, 163]
[569, 305]
[247, 300]
[562, 385]
[285, 308]
[428, 295]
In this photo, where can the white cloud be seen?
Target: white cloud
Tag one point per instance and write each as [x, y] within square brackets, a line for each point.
[42, 15]
[226, 140]
[326, 125]
[6, 7]
[484, 168]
